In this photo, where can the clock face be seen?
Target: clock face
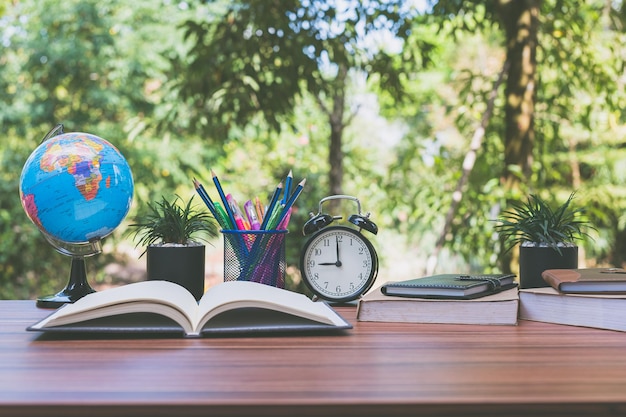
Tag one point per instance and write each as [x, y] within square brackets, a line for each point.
[338, 264]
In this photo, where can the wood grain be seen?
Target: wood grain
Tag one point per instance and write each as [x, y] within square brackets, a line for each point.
[376, 369]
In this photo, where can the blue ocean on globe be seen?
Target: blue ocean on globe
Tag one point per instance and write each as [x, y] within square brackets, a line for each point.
[76, 187]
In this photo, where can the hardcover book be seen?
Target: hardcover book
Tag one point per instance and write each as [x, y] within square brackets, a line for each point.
[591, 280]
[496, 309]
[590, 310]
[165, 307]
[451, 286]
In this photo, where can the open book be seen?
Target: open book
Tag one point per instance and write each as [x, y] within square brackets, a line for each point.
[165, 307]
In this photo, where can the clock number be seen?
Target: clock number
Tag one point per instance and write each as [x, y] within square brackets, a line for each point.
[326, 242]
[338, 289]
[317, 252]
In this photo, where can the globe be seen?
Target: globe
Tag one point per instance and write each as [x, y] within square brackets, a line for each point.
[76, 188]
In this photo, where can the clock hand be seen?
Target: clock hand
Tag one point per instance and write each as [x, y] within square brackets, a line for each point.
[337, 263]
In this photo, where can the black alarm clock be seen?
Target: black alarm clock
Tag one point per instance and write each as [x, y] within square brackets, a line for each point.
[338, 263]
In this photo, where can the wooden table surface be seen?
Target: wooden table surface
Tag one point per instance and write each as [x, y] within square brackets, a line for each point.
[376, 369]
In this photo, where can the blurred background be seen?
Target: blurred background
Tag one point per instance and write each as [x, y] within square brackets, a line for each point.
[436, 115]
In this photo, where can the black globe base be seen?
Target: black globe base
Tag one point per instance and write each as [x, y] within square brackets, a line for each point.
[76, 288]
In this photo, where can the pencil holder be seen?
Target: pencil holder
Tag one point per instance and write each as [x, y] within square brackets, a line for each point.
[255, 255]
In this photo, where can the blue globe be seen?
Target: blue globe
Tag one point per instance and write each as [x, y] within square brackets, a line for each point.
[76, 188]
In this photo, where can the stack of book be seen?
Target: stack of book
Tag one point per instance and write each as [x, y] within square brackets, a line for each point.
[593, 297]
[444, 299]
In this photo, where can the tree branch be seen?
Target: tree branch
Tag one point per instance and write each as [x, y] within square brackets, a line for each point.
[468, 165]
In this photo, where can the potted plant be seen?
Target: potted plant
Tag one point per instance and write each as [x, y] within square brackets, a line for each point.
[173, 236]
[546, 237]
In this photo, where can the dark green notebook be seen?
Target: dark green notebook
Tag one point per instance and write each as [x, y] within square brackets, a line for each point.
[457, 286]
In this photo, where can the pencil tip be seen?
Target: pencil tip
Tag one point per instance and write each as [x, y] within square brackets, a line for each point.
[290, 174]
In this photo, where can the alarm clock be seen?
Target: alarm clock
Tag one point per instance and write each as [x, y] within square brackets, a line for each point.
[338, 263]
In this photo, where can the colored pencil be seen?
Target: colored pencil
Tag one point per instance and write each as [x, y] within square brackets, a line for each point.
[270, 207]
[205, 197]
[220, 191]
[221, 214]
[287, 187]
[260, 212]
[294, 196]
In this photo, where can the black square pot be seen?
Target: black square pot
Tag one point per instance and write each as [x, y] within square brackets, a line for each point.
[533, 260]
[183, 265]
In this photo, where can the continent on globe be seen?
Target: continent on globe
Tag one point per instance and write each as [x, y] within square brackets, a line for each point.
[28, 202]
[83, 164]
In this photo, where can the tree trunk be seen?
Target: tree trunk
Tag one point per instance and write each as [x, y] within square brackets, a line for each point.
[335, 155]
[336, 92]
[337, 124]
[520, 20]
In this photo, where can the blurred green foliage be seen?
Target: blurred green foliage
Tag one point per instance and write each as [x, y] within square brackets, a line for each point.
[113, 68]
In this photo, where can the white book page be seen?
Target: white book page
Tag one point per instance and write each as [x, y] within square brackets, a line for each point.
[239, 294]
[146, 294]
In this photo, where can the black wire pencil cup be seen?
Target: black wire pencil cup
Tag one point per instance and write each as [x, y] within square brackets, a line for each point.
[254, 238]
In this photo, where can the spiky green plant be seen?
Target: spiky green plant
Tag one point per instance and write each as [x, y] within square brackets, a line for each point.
[535, 222]
[169, 222]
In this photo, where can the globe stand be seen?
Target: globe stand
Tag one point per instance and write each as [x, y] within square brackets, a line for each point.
[77, 287]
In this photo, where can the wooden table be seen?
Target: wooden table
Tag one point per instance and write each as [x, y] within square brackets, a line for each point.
[377, 369]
